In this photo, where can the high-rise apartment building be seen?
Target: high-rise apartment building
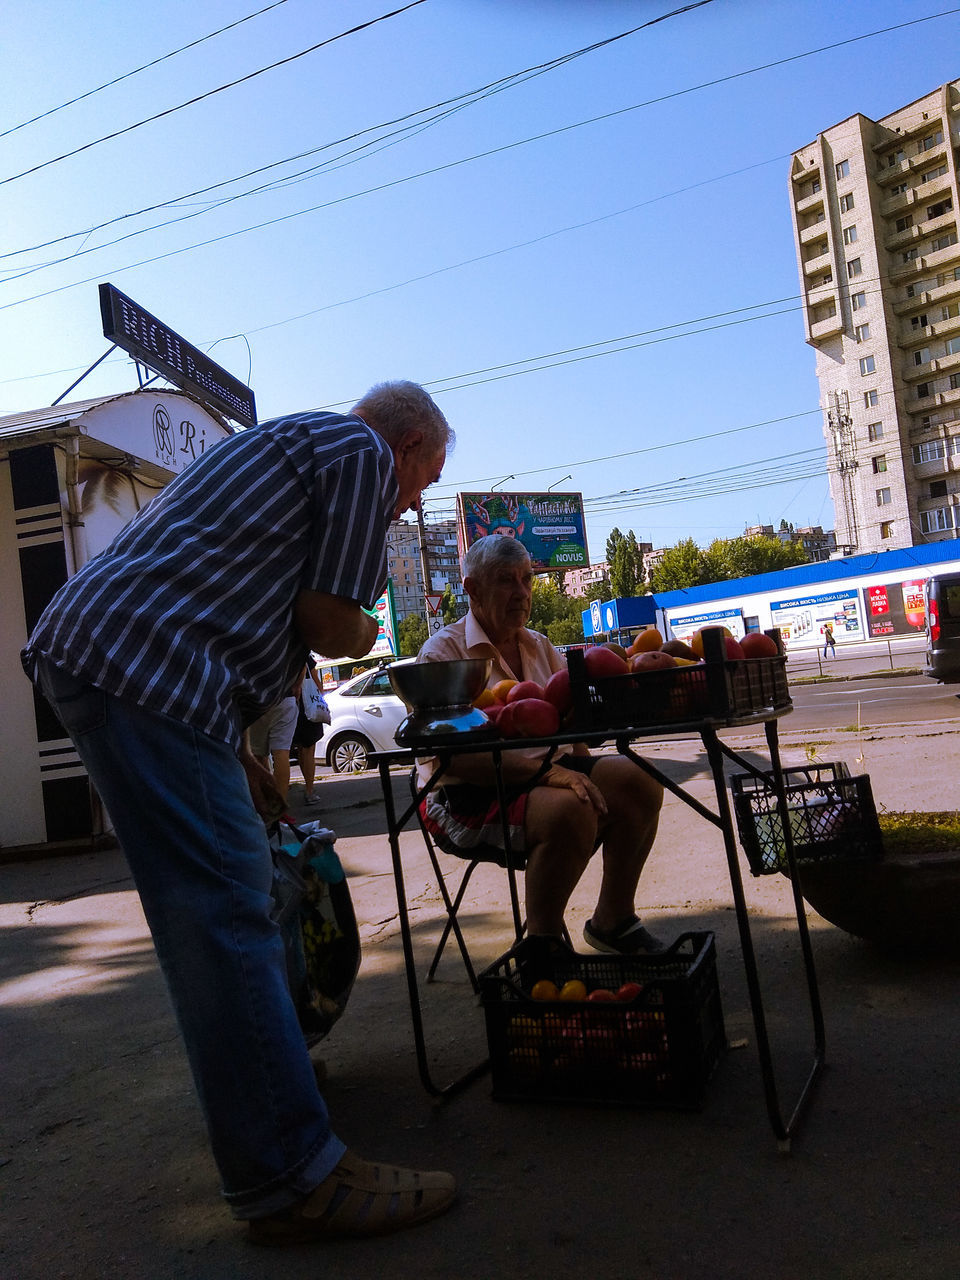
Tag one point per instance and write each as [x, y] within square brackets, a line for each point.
[874, 206]
[404, 564]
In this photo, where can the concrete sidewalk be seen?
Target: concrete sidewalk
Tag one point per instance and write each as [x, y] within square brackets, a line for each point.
[104, 1169]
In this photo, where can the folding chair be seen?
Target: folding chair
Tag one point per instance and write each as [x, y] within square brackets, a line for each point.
[473, 857]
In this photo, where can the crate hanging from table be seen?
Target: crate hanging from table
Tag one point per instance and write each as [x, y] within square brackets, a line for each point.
[832, 817]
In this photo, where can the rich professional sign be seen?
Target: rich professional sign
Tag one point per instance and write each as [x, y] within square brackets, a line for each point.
[154, 344]
[550, 525]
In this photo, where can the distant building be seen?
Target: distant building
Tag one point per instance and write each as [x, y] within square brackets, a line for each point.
[404, 564]
[578, 582]
[817, 544]
[874, 206]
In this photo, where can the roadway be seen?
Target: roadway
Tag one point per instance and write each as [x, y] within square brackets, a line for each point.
[871, 701]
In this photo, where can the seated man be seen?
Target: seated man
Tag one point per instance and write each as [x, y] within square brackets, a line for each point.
[557, 816]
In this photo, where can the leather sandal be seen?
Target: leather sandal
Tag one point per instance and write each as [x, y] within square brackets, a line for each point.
[359, 1198]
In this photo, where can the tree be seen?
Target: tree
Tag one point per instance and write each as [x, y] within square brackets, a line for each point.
[743, 557]
[626, 564]
[411, 635]
[681, 566]
[448, 606]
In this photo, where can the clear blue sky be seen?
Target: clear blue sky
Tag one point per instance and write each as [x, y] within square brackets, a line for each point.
[611, 235]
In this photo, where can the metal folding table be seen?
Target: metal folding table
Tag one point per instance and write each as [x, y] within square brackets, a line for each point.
[717, 752]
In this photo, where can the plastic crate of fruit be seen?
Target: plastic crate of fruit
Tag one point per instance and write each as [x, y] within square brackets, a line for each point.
[719, 689]
[622, 1030]
[832, 817]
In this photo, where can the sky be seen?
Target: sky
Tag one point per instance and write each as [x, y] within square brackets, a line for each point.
[588, 260]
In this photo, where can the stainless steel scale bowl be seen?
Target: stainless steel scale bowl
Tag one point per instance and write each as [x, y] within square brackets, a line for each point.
[439, 697]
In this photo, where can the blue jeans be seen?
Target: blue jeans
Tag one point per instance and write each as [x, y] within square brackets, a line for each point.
[198, 851]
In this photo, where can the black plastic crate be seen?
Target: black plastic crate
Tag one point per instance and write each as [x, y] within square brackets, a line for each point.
[832, 817]
[716, 691]
[659, 1049]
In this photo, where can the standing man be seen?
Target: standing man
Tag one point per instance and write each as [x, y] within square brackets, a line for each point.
[156, 657]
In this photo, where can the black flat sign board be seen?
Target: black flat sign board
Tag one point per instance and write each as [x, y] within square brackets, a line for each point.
[156, 345]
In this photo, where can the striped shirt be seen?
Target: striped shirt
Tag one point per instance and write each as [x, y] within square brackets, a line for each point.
[189, 611]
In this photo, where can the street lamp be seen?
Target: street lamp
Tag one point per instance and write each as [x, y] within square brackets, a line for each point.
[503, 481]
[560, 481]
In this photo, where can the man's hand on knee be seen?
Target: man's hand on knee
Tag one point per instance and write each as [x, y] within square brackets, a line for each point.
[578, 783]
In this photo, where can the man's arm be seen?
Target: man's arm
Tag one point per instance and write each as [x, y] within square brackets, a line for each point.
[334, 626]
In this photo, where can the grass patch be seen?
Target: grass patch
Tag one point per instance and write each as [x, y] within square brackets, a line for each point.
[918, 832]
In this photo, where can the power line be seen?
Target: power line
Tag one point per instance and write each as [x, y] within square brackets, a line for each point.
[363, 26]
[463, 160]
[136, 71]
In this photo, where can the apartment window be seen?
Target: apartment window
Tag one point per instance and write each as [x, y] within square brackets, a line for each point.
[854, 268]
[951, 310]
[955, 382]
[922, 356]
[895, 158]
[905, 222]
[943, 242]
[923, 390]
[846, 203]
[886, 528]
[871, 398]
[930, 451]
[947, 277]
[938, 488]
[919, 322]
[849, 235]
[939, 209]
[867, 365]
[843, 168]
[874, 430]
[931, 174]
[879, 463]
[899, 189]
[952, 346]
[910, 255]
[930, 141]
[858, 300]
[937, 520]
[862, 332]
[883, 497]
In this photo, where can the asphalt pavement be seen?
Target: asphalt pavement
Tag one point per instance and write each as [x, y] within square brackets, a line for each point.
[104, 1167]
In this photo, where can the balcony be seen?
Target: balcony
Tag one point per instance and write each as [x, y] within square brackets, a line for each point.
[895, 240]
[816, 266]
[928, 159]
[821, 294]
[814, 232]
[826, 328]
[893, 205]
[903, 272]
[886, 177]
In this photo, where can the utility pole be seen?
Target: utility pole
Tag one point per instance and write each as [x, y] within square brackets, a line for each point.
[841, 426]
[424, 552]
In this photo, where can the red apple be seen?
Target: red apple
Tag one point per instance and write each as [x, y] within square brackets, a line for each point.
[524, 689]
[629, 991]
[494, 712]
[734, 648]
[557, 691]
[532, 718]
[600, 661]
[756, 645]
[504, 721]
[602, 996]
[652, 660]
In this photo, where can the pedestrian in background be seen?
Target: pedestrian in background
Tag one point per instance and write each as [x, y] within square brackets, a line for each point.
[828, 640]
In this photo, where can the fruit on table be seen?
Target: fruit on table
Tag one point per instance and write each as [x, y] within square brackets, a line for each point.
[524, 689]
[696, 640]
[647, 641]
[574, 989]
[600, 662]
[629, 991]
[733, 648]
[757, 645]
[618, 649]
[529, 718]
[677, 649]
[485, 699]
[544, 989]
[652, 660]
[602, 995]
[557, 691]
[502, 688]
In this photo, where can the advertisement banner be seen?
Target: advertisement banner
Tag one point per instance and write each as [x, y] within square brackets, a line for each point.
[333, 670]
[550, 525]
[895, 608]
[803, 619]
[683, 628]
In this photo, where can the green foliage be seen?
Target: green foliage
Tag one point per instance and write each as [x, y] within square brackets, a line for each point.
[448, 606]
[411, 635]
[552, 612]
[626, 564]
[686, 565]
[565, 631]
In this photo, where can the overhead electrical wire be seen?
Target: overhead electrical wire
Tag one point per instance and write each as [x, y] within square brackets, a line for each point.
[164, 57]
[470, 159]
[117, 133]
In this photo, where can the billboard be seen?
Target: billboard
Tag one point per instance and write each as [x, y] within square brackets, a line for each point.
[895, 608]
[333, 670]
[550, 525]
[804, 617]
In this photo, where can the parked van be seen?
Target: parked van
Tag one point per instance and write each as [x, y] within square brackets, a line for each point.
[942, 594]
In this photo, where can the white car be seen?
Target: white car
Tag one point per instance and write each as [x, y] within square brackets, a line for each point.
[365, 714]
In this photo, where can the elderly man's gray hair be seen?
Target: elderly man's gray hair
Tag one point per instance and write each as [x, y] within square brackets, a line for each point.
[392, 408]
[488, 554]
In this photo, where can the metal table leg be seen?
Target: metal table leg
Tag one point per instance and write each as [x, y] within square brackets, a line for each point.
[416, 1014]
